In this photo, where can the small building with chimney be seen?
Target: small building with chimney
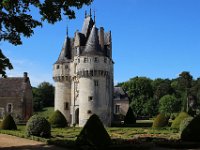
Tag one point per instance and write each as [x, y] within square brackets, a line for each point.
[16, 98]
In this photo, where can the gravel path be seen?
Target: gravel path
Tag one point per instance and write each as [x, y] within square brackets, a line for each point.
[8, 142]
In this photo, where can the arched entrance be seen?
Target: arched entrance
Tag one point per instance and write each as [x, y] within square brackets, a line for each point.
[77, 116]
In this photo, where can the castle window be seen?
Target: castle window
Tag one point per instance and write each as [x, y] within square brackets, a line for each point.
[85, 60]
[95, 59]
[89, 111]
[57, 67]
[66, 106]
[90, 98]
[117, 109]
[96, 83]
[66, 66]
[9, 108]
[105, 60]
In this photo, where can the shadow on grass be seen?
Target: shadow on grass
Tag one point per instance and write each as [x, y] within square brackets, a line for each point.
[141, 143]
[34, 147]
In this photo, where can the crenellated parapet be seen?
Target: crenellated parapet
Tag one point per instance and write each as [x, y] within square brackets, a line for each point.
[93, 73]
[61, 78]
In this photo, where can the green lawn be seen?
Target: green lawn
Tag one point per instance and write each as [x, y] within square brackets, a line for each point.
[46, 112]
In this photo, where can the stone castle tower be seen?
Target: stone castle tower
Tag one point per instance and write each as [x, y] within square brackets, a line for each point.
[83, 75]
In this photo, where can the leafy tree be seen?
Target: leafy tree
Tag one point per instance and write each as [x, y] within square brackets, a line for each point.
[150, 107]
[37, 101]
[140, 86]
[185, 83]
[161, 87]
[16, 19]
[43, 96]
[168, 104]
[4, 64]
[47, 93]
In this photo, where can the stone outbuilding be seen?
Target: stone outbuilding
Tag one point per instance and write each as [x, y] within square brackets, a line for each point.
[120, 104]
[16, 97]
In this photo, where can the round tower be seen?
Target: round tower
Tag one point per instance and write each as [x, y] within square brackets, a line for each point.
[62, 78]
[95, 75]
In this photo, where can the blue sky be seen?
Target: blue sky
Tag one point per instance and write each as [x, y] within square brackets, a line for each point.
[152, 38]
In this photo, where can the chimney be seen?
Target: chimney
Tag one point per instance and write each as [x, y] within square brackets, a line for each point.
[25, 76]
[101, 38]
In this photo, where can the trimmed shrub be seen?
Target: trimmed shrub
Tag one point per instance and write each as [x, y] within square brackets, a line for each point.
[160, 121]
[130, 117]
[38, 126]
[57, 120]
[181, 116]
[93, 133]
[190, 129]
[8, 123]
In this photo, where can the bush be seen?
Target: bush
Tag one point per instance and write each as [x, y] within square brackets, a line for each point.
[181, 116]
[38, 126]
[190, 129]
[130, 117]
[57, 120]
[93, 133]
[8, 123]
[160, 121]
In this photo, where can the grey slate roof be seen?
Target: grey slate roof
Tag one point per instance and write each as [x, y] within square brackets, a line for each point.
[12, 87]
[87, 26]
[65, 53]
[92, 45]
[88, 42]
[119, 94]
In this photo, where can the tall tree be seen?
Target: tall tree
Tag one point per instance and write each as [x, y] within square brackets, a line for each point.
[43, 96]
[185, 83]
[16, 19]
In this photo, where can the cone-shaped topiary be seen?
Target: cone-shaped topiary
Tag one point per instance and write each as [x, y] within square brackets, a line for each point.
[160, 121]
[38, 126]
[181, 116]
[190, 129]
[8, 123]
[130, 117]
[93, 133]
[57, 120]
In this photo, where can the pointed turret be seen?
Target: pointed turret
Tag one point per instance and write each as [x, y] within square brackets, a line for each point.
[92, 45]
[65, 52]
[87, 26]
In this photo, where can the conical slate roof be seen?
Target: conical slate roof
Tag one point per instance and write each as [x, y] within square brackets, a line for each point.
[65, 52]
[92, 45]
[87, 25]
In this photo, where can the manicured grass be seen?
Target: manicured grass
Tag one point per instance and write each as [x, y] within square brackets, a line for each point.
[46, 112]
[122, 137]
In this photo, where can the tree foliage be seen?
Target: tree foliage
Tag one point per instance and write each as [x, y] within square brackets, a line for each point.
[4, 64]
[168, 104]
[43, 96]
[16, 18]
[145, 94]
